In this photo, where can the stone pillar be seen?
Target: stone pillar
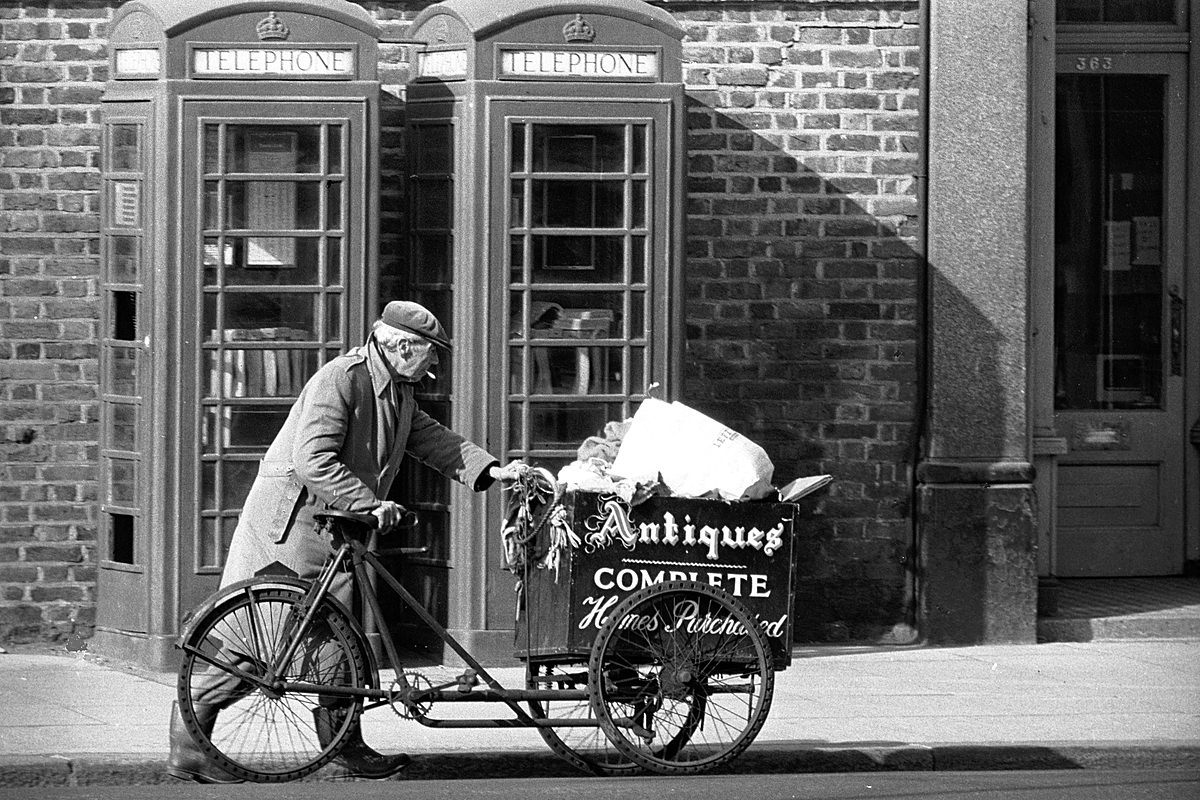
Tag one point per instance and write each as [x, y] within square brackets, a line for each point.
[976, 523]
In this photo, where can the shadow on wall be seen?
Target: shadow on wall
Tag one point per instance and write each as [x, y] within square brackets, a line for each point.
[805, 313]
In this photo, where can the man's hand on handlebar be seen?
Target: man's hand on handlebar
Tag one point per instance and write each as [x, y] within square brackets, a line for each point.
[514, 470]
[389, 515]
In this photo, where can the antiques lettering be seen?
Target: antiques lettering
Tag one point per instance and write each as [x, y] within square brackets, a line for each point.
[616, 526]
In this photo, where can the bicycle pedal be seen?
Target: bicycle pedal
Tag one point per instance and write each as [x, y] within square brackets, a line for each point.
[467, 680]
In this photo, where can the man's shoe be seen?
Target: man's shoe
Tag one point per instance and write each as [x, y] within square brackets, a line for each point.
[358, 760]
[187, 762]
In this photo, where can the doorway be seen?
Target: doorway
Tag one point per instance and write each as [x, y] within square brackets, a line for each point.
[1124, 393]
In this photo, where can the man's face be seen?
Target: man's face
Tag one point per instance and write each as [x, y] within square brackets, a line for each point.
[410, 358]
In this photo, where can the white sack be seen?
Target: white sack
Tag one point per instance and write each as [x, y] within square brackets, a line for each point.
[694, 454]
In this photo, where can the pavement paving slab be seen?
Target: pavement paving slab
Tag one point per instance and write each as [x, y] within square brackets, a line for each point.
[75, 718]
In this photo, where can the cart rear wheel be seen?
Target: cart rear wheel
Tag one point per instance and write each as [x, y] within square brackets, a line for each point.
[587, 748]
[260, 733]
[682, 677]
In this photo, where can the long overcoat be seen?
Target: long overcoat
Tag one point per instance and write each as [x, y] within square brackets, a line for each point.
[335, 451]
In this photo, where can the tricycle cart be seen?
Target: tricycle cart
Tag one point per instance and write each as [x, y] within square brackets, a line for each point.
[651, 635]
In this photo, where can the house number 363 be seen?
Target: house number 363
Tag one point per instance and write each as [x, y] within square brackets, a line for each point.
[1093, 63]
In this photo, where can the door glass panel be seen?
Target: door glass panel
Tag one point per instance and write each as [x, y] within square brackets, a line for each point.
[1099, 11]
[122, 482]
[246, 311]
[578, 148]
[266, 372]
[124, 148]
[123, 259]
[578, 204]
[273, 148]
[122, 420]
[559, 258]
[262, 260]
[123, 365]
[1109, 288]
[577, 240]
[272, 205]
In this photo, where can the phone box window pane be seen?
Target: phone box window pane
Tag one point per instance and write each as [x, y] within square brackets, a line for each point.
[578, 204]
[122, 427]
[208, 485]
[333, 261]
[270, 372]
[561, 425]
[579, 148]
[579, 369]
[125, 148]
[594, 314]
[122, 482]
[123, 259]
[432, 255]
[120, 538]
[212, 149]
[333, 316]
[238, 477]
[578, 259]
[243, 310]
[335, 149]
[516, 204]
[247, 426]
[638, 160]
[517, 144]
[516, 427]
[516, 369]
[637, 216]
[212, 548]
[637, 259]
[272, 205]
[124, 309]
[434, 149]
[266, 149]
[123, 367]
[333, 207]
[212, 205]
[270, 260]
[432, 198]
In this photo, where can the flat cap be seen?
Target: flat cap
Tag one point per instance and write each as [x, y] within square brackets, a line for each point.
[415, 318]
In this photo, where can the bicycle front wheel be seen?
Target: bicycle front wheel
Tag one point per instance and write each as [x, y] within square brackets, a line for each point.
[256, 732]
[682, 677]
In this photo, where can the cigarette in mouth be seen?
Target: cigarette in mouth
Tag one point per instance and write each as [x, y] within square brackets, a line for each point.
[431, 376]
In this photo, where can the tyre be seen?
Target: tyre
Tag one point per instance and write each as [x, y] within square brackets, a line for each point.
[258, 732]
[682, 677]
[587, 748]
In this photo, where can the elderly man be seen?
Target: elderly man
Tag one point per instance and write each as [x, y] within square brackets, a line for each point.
[341, 448]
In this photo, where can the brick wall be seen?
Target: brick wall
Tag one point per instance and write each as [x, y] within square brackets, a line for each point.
[801, 275]
[801, 281]
[51, 74]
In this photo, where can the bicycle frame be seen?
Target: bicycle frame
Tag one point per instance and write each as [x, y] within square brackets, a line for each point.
[364, 562]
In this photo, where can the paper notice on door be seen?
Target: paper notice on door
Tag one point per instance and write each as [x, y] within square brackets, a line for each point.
[1147, 241]
[1117, 246]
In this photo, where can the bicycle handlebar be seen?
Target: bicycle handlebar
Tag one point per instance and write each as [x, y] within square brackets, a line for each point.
[333, 515]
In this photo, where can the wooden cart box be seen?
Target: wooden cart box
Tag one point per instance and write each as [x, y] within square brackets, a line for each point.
[745, 548]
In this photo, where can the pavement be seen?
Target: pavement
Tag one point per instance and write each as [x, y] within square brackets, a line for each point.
[73, 718]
